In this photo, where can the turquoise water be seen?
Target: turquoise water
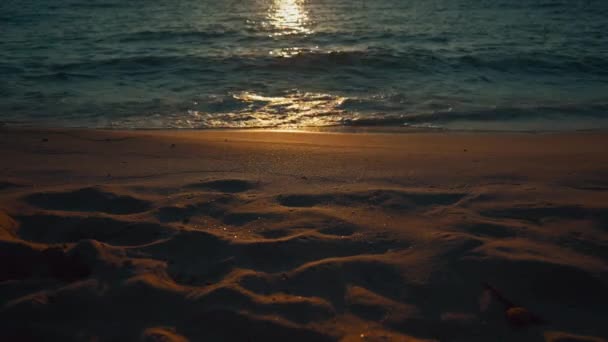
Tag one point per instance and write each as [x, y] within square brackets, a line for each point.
[455, 64]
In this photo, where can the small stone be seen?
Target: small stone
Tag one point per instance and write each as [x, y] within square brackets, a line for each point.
[521, 317]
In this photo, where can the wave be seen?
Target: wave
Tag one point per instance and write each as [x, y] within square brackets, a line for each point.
[507, 113]
[306, 109]
[96, 4]
[538, 62]
[172, 35]
[296, 110]
[496, 114]
[368, 61]
[223, 33]
[60, 76]
[7, 69]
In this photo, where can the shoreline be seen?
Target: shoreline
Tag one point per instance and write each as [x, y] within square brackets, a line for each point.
[312, 129]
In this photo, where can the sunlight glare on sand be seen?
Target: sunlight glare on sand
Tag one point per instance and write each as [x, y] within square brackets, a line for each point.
[288, 17]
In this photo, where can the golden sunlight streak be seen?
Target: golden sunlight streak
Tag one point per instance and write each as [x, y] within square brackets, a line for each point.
[288, 17]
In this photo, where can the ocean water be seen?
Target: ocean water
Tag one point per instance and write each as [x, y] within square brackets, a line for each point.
[453, 64]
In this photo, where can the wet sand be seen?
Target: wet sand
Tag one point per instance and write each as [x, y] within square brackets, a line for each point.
[268, 236]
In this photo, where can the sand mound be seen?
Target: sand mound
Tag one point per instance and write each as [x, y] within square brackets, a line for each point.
[539, 214]
[385, 199]
[556, 336]
[161, 335]
[9, 185]
[224, 185]
[60, 229]
[89, 199]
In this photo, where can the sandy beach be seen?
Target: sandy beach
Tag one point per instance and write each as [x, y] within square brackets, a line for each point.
[287, 236]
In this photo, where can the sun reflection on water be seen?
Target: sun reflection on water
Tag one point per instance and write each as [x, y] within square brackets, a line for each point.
[292, 110]
[288, 17]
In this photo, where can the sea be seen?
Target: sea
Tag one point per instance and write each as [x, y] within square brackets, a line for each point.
[505, 65]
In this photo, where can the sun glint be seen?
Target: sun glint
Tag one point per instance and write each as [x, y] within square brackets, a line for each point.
[289, 17]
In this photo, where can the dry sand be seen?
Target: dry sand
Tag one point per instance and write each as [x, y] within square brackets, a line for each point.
[265, 236]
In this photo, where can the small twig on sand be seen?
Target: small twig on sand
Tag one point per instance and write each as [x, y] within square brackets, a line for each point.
[517, 316]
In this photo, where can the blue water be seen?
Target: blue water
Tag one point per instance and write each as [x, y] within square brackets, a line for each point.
[454, 64]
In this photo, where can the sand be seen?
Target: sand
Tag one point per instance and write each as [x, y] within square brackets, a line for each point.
[274, 236]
